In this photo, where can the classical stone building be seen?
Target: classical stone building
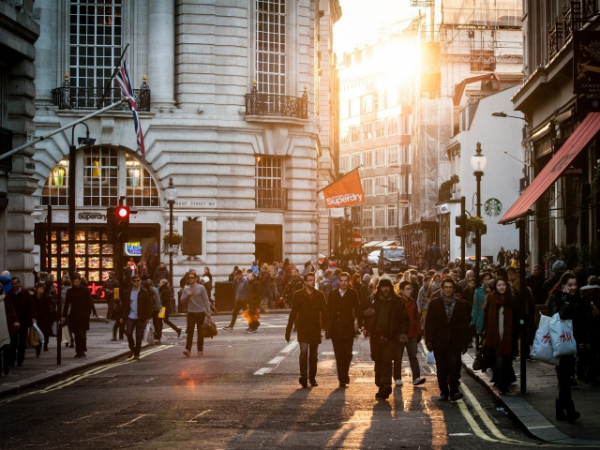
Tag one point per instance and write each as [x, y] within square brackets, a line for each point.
[18, 34]
[235, 110]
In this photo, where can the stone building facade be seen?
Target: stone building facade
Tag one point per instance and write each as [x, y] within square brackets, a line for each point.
[235, 110]
[18, 35]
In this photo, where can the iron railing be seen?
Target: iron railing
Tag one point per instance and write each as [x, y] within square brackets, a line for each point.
[271, 198]
[6, 136]
[276, 105]
[574, 16]
[67, 97]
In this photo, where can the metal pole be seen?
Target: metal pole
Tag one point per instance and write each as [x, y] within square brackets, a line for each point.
[59, 296]
[170, 245]
[71, 227]
[462, 238]
[521, 224]
[477, 267]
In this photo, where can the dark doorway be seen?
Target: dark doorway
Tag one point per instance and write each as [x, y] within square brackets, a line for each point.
[268, 245]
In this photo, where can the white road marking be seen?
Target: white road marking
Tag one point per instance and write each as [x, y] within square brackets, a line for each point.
[290, 347]
[195, 417]
[276, 360]
[263, 370]
[137, 418]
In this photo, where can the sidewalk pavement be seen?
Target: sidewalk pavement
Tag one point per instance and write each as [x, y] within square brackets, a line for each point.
[535, 410]
[101, 350]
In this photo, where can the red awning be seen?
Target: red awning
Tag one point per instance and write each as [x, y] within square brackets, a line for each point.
[559, 162]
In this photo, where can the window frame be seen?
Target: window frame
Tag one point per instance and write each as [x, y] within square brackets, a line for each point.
[274, 48]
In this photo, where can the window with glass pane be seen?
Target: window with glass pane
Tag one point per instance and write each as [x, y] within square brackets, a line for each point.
[392, 216]
[367, 131]
[270, 46]
[392, 155]
[269, 183]
[368, 217]
[95, 48]
[380, 129]
[405, 151]
[367, 103]
[367, 185]
[379, 157]
[380, 185]
[100, 176]
[379, 216]
[56, 189]
[344, 163]
[367, 159]
[392, 183]
[392, 126]
[344, 136]
[141, 188]
[354, 134]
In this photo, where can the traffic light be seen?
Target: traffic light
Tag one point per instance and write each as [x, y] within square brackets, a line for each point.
[121, 223]
[461, 225]
[111, 222]
[347, 234]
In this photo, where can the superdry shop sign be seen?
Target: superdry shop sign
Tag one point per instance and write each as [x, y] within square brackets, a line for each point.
[586, 56]
[345, 192]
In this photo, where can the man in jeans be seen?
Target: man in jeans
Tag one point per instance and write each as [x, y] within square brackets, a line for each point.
[308, 305]
[198, 310]
[137, 313]
[241, 295]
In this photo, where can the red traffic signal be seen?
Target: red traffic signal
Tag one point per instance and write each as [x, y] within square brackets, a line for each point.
[122, 212]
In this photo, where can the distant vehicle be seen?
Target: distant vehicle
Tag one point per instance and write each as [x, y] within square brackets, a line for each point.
[373, 257]
[472, 259]
[392, 259]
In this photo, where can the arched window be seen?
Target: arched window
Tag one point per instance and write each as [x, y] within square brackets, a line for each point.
[107, 175]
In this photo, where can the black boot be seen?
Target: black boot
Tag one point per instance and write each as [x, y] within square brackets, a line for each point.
[572, 415]
[560, 410]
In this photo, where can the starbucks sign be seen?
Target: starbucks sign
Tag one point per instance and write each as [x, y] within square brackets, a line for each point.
[492, 207]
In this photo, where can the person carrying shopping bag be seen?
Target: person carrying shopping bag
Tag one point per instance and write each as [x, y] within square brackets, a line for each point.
[198, 311]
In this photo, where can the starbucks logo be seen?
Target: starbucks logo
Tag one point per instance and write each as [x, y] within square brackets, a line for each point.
[492, 207]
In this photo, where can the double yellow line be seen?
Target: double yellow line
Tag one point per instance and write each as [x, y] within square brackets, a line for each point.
[75, 378]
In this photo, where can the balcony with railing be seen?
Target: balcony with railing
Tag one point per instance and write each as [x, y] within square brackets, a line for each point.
[576, 14]
[276, 106]
[5, 146]
[271, 198]
[69, 97]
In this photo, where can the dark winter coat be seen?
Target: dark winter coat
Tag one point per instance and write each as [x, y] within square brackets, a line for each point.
[160, 274]
[443, 335]
[24, 306]
[44, 309]
[78, 307]
[166, 297]
[398, 321]
[569, 308]
[11, 315]
[342, 312]
[144, 304]
[312, 316]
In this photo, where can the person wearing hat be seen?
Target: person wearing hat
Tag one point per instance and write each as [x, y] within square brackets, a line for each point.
[387, 323]
[558, 268]
[447, 336]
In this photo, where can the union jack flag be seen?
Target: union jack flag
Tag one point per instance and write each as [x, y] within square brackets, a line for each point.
[124, 81]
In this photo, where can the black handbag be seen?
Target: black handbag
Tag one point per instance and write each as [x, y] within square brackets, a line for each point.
[484, 359]
[209, 328]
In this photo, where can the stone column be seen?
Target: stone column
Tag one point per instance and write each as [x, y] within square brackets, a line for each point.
[46, 50]
[161, 53]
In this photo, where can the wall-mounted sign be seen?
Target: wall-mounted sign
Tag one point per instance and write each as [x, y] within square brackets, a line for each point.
[586, 62]
[133, 248]
[404, 203]
[336, 212]
[492, 207]
[91, 216]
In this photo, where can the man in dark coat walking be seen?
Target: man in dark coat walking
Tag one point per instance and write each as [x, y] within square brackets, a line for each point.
[308, 305]
[387, 322]
[23, 304]
[447, 336]
[79, 300]
[343, 305]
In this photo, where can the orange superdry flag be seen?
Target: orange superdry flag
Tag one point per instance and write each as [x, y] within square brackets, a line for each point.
[344, 192]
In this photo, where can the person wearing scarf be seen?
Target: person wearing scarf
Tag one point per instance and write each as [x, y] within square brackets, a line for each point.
[9, 324]
[415, 334]
[500, 331]
[478, 302]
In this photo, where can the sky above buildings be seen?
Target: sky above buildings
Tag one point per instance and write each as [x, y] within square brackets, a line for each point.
[363, 20]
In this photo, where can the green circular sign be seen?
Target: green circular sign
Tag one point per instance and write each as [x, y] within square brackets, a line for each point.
[492, 207]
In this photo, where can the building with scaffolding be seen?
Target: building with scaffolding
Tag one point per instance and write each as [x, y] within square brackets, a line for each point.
[470, 49]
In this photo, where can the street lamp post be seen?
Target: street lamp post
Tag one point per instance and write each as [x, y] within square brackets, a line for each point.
[478, 163]
[72, 193]
[171, 197]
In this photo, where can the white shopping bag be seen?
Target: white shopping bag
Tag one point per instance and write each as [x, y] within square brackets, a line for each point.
[149, 334]
[542, 343]
[561, 335]
[430, 358]
[40, 334]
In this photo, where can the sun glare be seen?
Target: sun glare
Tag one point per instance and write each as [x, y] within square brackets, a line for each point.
[398, 63]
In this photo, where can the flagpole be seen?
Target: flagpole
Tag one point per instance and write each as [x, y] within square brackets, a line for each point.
[113, 75]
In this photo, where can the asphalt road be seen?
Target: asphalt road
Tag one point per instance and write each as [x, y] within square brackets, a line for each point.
[244, 393]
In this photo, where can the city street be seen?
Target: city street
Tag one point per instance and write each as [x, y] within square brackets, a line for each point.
[244, 393]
